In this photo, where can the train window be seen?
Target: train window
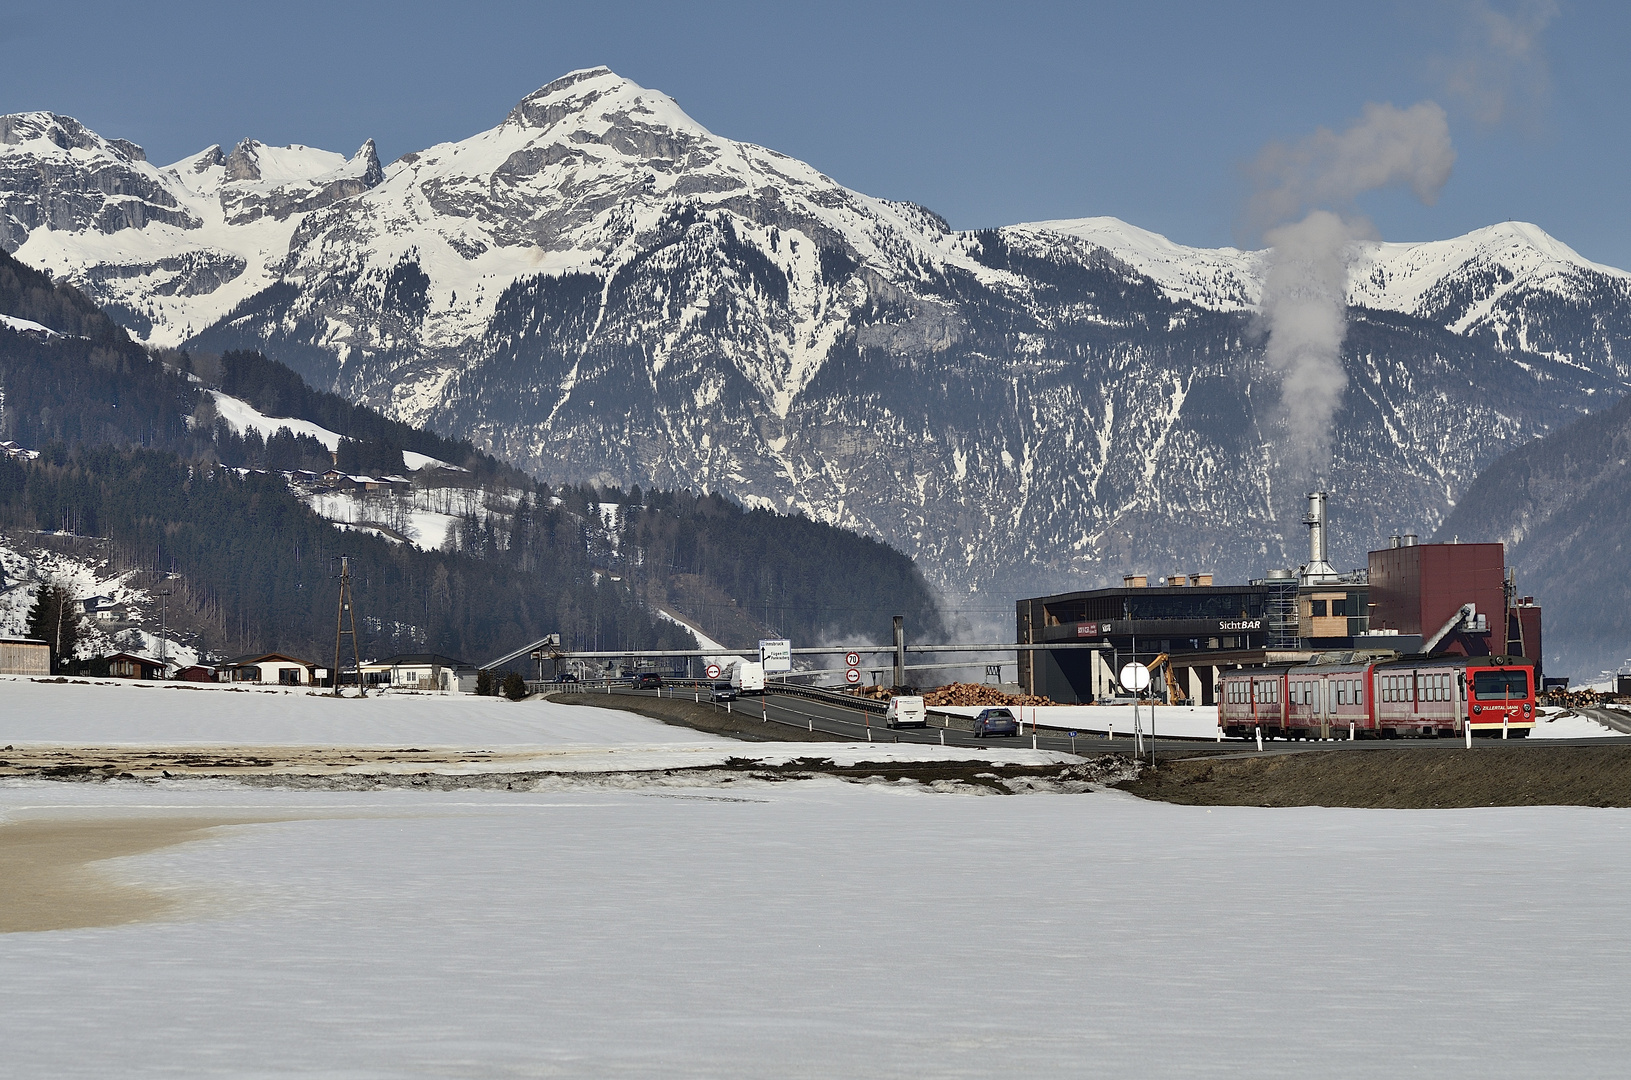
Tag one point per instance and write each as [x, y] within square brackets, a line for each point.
[1359, 691]
[1496, 685]
[1342, 691]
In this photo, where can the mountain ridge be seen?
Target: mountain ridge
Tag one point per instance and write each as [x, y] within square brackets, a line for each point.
[599, 289]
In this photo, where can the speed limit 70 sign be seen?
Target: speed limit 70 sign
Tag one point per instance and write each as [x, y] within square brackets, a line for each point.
[852, 659]
[712, 670]
[852, 677]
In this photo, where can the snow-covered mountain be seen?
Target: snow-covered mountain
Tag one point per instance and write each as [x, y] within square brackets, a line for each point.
[601, 289]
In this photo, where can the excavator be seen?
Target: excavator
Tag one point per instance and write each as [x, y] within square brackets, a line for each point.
[1174, 694]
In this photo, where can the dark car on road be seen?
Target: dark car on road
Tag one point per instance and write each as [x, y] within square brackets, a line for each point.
[647, 680]
[995, 722]
[722, 691]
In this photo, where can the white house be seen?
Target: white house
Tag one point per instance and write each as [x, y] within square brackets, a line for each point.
[275, 668]
[421, 671]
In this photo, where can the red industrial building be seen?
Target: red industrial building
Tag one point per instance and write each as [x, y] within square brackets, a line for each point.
[1416, 590]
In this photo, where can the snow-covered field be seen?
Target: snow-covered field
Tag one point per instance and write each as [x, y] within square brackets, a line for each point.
[818, 929]
[526, 735]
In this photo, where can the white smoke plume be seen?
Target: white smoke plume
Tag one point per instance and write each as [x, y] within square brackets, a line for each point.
[1305, 303]
[1500, 68]
[1305, 292]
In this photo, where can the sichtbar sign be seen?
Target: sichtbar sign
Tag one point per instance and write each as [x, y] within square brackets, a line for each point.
[776, 654]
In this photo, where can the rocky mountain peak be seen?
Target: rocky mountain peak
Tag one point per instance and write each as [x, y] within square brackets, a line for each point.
[64, 133]
[596, 98]
[242, 163]
[367, 156]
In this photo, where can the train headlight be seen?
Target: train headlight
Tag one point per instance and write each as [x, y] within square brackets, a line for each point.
[1526, 708]
[1476, 709]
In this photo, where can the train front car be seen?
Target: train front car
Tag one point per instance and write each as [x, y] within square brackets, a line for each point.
[1499, 696]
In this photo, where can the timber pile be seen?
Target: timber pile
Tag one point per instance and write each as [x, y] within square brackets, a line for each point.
[980, 695]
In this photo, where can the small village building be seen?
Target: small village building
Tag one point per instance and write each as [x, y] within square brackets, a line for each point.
[126, 665]
[24, 656]
[275, 668]
[196, 673]
[424, 671]
[98, 607]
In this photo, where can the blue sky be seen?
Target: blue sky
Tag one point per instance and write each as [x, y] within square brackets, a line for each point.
[986, 113]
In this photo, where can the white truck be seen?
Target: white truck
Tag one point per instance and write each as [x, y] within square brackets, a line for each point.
[748, 677]
[906, 712]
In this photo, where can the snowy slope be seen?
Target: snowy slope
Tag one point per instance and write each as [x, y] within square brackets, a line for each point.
[169, 250]
[242, 417]
[26, 326]
[86, 572]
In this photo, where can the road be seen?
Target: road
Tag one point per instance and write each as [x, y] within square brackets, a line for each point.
[810, 714]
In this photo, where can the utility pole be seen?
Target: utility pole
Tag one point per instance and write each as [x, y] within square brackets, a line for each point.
[347, 611]
[164, 632]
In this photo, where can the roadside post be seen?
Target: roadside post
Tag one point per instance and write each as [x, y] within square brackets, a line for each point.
[1073, 742]
[1259, 740]
[1466, 727]
[1136, 677]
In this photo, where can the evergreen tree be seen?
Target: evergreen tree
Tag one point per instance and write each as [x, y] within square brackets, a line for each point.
[54, 619]
[515, 687]
[484, 683]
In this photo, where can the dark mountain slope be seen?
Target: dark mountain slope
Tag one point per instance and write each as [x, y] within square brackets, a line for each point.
[1562, 505]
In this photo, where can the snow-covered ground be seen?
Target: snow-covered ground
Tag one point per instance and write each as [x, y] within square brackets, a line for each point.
[26, 326]
[820, 929]
[1556, 724]
[527, 735]
[1175, 721]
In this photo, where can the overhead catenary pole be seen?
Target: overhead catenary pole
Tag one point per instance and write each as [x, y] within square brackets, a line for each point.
[347, 612]
[164, 632]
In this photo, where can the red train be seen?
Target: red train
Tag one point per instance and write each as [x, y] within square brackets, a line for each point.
[1381, 699]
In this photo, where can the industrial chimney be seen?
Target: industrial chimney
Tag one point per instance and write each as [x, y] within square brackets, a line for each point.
[1318, 569]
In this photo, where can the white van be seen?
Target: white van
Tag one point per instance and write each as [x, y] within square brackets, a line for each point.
[748, 677]
[906, 712]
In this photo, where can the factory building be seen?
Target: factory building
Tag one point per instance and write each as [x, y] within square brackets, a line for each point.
[1442, 599]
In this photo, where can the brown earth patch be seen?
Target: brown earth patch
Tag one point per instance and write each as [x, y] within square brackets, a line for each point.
[49, 881]
[1411, 779]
